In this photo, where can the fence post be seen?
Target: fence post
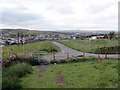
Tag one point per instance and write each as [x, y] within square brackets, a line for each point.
[105, 53]
[30, 51]
[68, 55]
[8, 52]
[23, 49]
[38, 57]
[83, 54]
[53, 56]
[2, 54]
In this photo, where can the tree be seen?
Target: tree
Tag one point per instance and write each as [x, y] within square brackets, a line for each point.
[111, 35]
[106, 36]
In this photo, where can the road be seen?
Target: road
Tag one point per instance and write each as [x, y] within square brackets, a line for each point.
[71, 52]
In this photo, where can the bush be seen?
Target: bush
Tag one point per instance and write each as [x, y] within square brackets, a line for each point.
[50, 49]
[29, 60]
[108, 50]
[10, 82]
[20, 69]
[53, 61]
[12, 74]
[75, 60]
[62, 61]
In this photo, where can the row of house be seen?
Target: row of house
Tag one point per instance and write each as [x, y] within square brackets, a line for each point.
[90, 37]
[26, 38]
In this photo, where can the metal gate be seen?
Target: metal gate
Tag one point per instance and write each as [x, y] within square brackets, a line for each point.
[39, 56]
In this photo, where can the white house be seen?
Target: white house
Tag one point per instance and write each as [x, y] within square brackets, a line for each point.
[93, 38]
[74, 38]
[96, 37]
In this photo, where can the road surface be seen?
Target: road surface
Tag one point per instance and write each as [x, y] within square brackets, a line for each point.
[66, 51]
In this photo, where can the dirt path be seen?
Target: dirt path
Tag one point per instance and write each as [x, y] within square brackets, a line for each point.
[41, 68]
[60, 78]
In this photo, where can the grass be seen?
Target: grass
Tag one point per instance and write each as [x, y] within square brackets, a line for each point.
[43, 45]
[12, 73]
[89, 74]
[0, 77]
[88, 45]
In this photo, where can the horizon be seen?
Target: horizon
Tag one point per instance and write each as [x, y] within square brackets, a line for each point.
[63, 30]
[59, 15]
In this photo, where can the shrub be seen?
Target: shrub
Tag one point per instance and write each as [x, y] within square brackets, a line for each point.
[50, 49]
[29, 60]
[108, 50]
[10, 82]
[53, 61]
[62, 61]
[20, 69]
[12, 74]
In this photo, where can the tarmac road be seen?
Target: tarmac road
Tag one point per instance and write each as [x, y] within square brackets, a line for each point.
[66, 50]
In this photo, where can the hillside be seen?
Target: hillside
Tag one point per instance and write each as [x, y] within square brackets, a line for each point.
[88, 32]
[26, 31]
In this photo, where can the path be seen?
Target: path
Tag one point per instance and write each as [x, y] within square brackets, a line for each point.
[60, 78]
[72, 52]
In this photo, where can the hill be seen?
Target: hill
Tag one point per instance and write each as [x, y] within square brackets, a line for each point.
[88, 32]
[26, 31]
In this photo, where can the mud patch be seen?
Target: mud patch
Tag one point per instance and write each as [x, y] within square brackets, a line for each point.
[40, 75]
[60, 78]
[41, 68]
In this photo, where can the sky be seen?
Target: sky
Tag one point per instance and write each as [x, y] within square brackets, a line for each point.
[59, 14]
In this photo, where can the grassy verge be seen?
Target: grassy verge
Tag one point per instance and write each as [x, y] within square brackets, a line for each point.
[89, 74]
[92, 46]
[43, 45]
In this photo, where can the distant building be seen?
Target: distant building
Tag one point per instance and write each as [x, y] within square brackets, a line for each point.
[96, 37]
[93, 38]
[74, 38]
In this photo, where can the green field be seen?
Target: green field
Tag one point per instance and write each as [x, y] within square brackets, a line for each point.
[26, 48]
[79, 72]
[89, 74]
[90, 45]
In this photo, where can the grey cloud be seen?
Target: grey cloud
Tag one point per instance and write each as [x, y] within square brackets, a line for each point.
[20, 17]
[17, 15]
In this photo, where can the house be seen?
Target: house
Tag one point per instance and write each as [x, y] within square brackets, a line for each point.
[93, 38]
[74, 38]
[96, 37]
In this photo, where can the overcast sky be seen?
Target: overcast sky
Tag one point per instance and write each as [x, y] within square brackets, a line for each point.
[59, 14]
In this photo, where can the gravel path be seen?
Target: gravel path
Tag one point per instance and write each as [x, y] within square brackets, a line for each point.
[72, 52]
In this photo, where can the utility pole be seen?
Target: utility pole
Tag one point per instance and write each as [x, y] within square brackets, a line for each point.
[21, 39]
[18, 38]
